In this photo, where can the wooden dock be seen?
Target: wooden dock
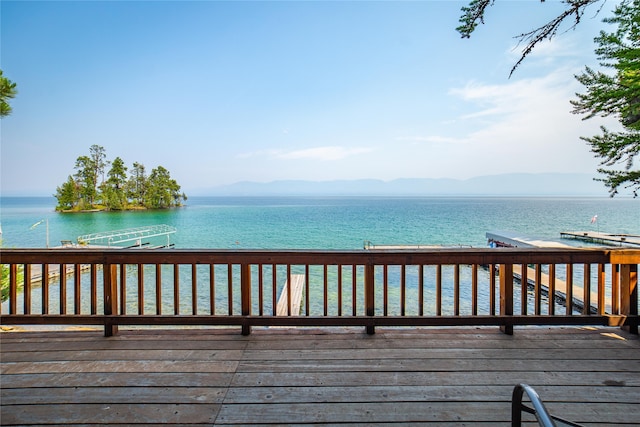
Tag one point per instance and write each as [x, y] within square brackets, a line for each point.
[297, 283]
[511, 239]
[560, 288]
[53, 271]
[609, 239]
[405, 377]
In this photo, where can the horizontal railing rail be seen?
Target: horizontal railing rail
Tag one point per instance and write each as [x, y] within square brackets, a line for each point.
[419, 287]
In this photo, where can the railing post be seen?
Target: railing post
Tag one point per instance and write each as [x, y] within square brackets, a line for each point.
[506, 295]
[369, 295]
[110, 285]
[245, 295]
[629, 295]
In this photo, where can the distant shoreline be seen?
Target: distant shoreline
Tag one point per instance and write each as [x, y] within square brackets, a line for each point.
[130, 209]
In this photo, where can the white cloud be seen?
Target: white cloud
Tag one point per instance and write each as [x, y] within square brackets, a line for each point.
[326, 153]
[520, 125]
[323, 153]
[434, 139]
[526, 100]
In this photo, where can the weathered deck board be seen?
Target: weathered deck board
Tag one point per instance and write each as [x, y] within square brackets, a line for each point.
[438, 376]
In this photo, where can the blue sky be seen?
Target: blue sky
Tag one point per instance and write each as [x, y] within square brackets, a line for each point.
[219, 92]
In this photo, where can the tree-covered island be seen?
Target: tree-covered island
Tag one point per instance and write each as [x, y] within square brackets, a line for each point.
[104, 185]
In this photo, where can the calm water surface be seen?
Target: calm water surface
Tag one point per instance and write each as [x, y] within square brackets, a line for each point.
[327, 222]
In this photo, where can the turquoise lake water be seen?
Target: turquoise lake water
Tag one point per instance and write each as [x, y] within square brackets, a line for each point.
[327, 222]
[324, 223]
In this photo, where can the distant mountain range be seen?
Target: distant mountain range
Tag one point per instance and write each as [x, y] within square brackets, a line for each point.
[515, 184]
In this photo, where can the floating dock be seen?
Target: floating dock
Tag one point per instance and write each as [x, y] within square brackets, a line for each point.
[370, 247]
[511, 239]
[149, 237]
[609, 239]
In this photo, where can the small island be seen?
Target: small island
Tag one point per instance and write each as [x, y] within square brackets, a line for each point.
[89, 189]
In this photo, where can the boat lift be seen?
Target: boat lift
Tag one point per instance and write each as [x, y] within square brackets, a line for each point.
[138, 237]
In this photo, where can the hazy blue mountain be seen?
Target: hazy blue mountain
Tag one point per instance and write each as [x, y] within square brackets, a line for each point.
[516, 184]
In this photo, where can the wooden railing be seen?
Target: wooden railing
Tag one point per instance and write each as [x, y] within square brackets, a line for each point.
[442, 287]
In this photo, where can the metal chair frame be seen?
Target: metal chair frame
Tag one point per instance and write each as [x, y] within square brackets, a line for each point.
[537, 408]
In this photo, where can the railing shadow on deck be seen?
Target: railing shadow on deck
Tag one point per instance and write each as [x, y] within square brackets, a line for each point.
[367, 288]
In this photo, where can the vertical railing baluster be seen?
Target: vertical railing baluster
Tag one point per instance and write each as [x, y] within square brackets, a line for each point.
[158, 289]
[586, 289]
[212, 289]
[552, 289]
[123, 289]
[77, 274]
[93, 288]
[45, 289]
[385, 289]
[474, 290]
[421, 290]
[456, 290]
[307, 285]
[194, 289]
[615, 288]
[569, 295]
[140, 289]
[260, 289]
[63, 289]
[403, 289]
[524, 289]
[538, 290]
[288, 289]
[26, 289]
[439, 290]
[339, 290]
[13, 289]
[230, 288]
[274, 291]
[176, 289]
[602, 307]
[325, 292]
[492, 290]
[354, 290]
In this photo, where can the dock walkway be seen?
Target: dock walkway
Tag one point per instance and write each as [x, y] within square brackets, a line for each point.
[282, 308]
[610, 239]
[405, 377]
[560, 288]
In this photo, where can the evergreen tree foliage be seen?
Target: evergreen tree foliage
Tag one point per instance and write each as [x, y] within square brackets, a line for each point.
[474, 14]
[67, 194]
[86, 178]
[616, 94]
[137, 185]
[7, 91]
[114, 192]
[118, 191]
[162, 191]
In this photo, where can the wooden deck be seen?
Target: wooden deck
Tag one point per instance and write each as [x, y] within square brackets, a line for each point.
[332, 376]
